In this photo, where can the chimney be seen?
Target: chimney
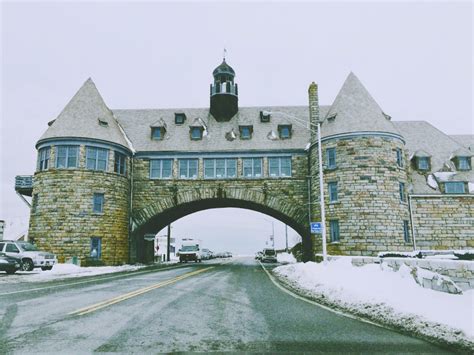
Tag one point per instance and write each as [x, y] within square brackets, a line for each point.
[313, 109]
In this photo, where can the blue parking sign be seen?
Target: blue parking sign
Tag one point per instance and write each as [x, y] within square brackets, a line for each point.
[316, 227]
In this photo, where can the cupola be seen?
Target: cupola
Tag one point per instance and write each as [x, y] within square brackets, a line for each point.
[224, 93]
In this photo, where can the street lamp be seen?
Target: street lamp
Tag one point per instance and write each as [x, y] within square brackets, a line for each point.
[273, 232]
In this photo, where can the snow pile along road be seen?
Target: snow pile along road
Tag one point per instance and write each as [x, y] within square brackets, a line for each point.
[384, 296]
[286, 258]
[63, 271]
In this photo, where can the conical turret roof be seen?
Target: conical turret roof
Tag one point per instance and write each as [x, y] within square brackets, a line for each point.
[86, 116]
[224, 68]
[355, 110]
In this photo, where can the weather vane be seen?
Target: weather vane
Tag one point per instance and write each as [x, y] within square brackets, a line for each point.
[225, 52]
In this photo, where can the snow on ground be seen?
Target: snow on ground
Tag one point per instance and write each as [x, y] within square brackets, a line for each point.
[286, 258]
[377, 292]
[63, 271]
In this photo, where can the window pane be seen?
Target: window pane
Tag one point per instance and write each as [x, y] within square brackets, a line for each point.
[332, 191]
[220, 168]
[167, 166]
[183, 168]
[285, 166]
[193, 167]
[61, 157]
[231, 168]
[257, 167]
[196, 133]
[247, 164]
[98, 202]
[72, 157]
[209, 168]
[273, 164]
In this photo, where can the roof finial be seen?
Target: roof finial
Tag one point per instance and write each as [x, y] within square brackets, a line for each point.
[225, 52]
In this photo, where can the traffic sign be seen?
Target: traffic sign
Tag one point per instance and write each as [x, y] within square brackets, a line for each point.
[316, 227]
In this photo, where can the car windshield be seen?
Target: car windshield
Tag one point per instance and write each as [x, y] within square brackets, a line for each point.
[270, 252]
[27, 246]
[189, 248]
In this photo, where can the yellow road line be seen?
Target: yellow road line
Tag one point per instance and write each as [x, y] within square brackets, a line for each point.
[135, 293]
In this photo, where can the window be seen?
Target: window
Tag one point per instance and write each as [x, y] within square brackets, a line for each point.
[161, 168]
[334, 230]
[245, 132]
[43, 157]
[284, 131]
[401, 187]
[455, 187]
[11, 248]
[264, 116]
[120, 166]
[331, 158]
[96, 248]
[252, 167]
[220, 168]
[66, 156]
[463, 163]
[179, 118]
[332, 191]
[34, 203]
[98, 203]
[188, 168]
[399, 157]
[196, 133]
[157, 133]
[96, 158]
[279, 167]
[406, 232]
[423, 163]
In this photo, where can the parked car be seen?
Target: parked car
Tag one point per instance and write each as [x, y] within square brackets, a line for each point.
[8, 264]
[258, 255]
[269, 256]
[29, 255]
[206, 254]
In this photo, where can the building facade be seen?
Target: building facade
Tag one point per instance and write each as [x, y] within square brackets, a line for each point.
[106, 178]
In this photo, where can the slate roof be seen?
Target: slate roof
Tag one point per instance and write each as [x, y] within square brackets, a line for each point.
[422, 136]
[355, 111]
[466, 140]
[80, 119]
[136, 124]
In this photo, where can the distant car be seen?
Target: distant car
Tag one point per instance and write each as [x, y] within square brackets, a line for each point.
[29, 255]
[269, 256]
[205, 254]
[220, 255]
[228, 254]
[258, 255]
[8, 264]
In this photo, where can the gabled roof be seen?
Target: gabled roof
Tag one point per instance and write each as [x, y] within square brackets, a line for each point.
[86, 116]
[355, 110]
[420, 153]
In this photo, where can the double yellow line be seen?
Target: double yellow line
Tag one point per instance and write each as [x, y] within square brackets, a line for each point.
[126, 296]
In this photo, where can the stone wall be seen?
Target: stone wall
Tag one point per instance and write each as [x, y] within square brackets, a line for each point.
[443, 222]
[368, 208]
[64, 222]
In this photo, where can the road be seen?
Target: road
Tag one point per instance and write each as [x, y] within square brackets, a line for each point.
[224, 306]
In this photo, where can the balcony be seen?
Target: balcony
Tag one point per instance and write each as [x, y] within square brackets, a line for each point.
[24, 184]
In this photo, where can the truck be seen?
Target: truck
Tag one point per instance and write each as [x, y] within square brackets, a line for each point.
[190, 251]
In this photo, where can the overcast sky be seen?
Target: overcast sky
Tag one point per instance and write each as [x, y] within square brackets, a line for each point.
[414, 58]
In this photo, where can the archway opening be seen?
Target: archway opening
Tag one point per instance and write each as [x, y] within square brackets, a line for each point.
[254, 223]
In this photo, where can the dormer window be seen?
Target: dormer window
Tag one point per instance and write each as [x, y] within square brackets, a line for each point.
[245, 132]
[454, 187]
[179, 118]
[157, 133]
[196, 133]
[103, 123]
[462, 163]
[265, 116]
[332, 117]
[284, 131]
[423, 163]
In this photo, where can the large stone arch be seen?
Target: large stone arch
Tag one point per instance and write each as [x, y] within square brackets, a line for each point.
[162, 211]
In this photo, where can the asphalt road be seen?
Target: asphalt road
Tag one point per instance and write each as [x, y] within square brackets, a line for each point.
[214, 306]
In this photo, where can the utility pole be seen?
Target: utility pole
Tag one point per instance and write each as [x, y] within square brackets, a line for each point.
[286, 236]
[168, 246]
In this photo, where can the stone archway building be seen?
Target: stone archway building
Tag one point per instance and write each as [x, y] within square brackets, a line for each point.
[105, 178]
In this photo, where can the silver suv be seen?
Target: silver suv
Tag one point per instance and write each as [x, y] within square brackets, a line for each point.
[29, 255]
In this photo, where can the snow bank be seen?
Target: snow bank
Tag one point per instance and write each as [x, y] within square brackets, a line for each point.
[377, 292]
[64, 271]
[286, 258]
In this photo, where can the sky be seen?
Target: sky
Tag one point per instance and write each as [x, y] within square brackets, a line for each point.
[415, 58]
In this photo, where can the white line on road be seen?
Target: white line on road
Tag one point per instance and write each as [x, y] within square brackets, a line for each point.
[277, 284]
